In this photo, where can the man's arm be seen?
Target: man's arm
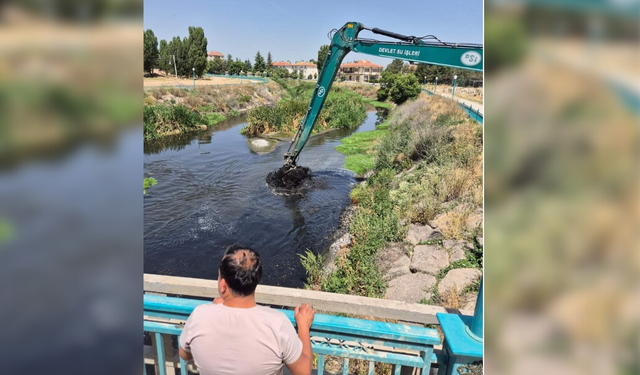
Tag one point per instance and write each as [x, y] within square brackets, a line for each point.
[185, 354]
[304, 318]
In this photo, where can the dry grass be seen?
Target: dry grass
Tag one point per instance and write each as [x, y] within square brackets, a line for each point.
[453, 224]
[221, 99]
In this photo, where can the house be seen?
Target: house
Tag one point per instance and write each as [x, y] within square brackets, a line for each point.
[361, 71]
[214, 55]
[307, 68]
[283, 64]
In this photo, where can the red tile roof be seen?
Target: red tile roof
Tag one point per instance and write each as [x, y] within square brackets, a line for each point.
[360, 64]
[304, 63]
[215, 53]
[281, 63]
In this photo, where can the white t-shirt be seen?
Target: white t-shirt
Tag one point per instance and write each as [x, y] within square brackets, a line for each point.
[228, 340]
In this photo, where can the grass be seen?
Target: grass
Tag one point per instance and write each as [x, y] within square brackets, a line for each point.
[342, 109]
[378, 104]
[427, 165]
[149, 182]
[360, 149]
[169, 110]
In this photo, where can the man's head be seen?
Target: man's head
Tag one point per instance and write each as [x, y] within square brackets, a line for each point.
[240, 271]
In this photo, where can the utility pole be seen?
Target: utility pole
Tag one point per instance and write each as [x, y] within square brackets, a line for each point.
[175, 66]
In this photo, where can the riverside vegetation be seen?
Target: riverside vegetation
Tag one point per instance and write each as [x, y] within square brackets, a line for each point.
[425, 165]
[343, 108]
[169, 110]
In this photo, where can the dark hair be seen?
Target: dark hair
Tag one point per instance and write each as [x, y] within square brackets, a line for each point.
[241, 268]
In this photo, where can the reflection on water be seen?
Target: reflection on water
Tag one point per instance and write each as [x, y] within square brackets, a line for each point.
[212, 192]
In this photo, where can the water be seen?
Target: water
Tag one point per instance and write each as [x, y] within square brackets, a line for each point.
[211, 192]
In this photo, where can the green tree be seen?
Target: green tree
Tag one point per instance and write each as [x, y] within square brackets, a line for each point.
[197, 50]
[300, 74]
[177, 51]
[315, 75]
[259, 64]
[309, 76]
[165, 57]
[322, 54]
[229, 60]
[217, 66]
[247, 66]
[269, 61]
[395, 66]
[235, 67]
[150, 51]
[404, 87]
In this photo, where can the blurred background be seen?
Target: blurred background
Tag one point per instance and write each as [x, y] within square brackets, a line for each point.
[70, 187]
[562, 89]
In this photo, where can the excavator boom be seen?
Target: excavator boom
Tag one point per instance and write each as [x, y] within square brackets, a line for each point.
[411, 48]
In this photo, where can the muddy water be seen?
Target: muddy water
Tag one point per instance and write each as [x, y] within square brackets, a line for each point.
[211, 192]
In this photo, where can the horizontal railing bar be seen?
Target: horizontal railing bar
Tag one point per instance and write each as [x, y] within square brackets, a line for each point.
[318, 348]
[156, 305]
[291, 297]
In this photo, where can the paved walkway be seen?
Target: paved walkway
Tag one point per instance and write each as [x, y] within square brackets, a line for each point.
[471, 103]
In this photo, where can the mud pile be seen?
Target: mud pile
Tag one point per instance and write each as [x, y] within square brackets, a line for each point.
[288, 178]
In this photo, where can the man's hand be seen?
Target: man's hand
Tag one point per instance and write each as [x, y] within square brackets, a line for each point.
[218, 300]
[303, 315]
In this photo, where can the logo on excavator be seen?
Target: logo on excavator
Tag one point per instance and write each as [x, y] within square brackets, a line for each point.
[321, 92]
[470, 58]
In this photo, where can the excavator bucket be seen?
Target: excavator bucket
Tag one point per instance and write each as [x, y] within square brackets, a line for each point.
[288, 177]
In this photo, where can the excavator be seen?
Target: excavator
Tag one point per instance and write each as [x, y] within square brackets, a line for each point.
[427, 49]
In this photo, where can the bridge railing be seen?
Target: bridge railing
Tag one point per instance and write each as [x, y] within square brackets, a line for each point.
[401, 345]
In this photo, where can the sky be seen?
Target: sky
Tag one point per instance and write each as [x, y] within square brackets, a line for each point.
[295, 30]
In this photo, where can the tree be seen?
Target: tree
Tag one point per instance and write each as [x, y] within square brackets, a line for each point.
[315, 75]
[247, 66]
[300, 74]
[395, 66]
[322, 54]
[259, 65]
[235, 67]
[423, 70]
[217, 66]
[165, 63]
[197, 50]
[150, 51]
[309, 76]
[176, 52]
[269, 61]
[229, 60]
[404, 87]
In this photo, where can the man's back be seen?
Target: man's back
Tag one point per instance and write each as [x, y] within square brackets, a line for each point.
[228, 340]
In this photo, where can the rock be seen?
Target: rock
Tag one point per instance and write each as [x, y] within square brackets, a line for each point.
[459, 279]
[261, 145]
[457, 249]
[420, 233]
[429, 258]
[470, 301]
[393, 261]
[475, 219]
[410, 288]
[481, 241]
[339, 246]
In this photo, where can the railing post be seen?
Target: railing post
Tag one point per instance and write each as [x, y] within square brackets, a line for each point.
[462, 338]
[477, 325]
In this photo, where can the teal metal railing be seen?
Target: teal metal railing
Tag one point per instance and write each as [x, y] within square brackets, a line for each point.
[348, 338]
[473, 113]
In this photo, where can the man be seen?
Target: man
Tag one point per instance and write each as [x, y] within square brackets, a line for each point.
[236, 336]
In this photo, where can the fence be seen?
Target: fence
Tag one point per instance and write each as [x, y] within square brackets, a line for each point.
[403, 346]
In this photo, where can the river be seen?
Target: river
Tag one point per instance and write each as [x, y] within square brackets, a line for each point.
[211, 193]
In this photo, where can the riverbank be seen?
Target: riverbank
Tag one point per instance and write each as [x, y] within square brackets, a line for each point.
[415, 225]
[169, 110]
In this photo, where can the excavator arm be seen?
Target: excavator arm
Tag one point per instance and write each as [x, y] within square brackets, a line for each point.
[410, 48]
